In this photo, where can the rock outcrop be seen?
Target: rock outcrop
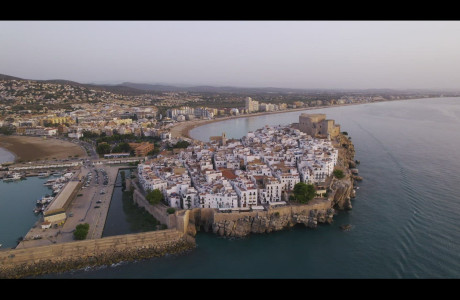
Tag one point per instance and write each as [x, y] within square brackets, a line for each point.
[244, 223]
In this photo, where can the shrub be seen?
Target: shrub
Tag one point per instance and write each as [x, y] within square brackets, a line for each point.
[170, 210]
[338, 174]
[81, 231]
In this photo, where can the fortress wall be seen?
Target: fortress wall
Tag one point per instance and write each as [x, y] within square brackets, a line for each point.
[65, 256]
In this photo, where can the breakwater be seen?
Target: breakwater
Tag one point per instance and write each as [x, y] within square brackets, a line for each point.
[63, 257]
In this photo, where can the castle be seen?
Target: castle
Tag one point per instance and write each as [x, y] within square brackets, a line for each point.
[316, 125]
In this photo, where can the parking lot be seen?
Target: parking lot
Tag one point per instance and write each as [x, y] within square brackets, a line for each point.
[90, 206]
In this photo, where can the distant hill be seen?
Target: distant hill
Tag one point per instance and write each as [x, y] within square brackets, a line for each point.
[215, 89]
[61, 81]
[132, 89]
[118, 89]
[8, 77]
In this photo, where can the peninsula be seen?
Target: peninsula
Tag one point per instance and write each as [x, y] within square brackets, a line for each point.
[271, 179]
[236, 187]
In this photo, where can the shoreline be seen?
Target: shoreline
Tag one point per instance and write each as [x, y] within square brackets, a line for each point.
[182, 129]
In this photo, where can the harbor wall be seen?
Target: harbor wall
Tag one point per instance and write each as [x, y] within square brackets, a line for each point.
[62, 257]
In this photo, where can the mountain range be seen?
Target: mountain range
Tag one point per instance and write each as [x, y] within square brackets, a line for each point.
[130, 88]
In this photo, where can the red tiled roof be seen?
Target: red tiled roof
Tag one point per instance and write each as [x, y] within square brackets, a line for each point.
[228, 173]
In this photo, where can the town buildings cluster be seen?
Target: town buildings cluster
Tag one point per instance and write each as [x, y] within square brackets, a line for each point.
[260, 169]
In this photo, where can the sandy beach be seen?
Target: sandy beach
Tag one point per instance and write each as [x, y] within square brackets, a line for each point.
[29, 148]
[182, 129]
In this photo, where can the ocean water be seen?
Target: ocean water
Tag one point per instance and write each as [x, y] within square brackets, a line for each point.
[404, 218]
[6, 156]
[17, 202]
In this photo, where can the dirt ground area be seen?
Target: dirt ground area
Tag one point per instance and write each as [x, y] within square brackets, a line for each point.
[30, 148]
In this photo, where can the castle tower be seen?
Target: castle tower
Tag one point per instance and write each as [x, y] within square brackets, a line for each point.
[224, 139]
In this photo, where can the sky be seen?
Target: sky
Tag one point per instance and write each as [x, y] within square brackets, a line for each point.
[289, 54]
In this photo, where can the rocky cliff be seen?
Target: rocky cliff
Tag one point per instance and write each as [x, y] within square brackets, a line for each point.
[340, 192]
[244, 223]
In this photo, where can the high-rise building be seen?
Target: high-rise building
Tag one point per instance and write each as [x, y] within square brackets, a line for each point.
[251, 105]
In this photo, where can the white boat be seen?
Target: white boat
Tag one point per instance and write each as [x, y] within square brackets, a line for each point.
[45, 199]
[49, 182]
[12, 177]
[44, 174]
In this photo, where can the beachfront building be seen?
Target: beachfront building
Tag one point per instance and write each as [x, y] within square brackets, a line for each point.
[251, 105]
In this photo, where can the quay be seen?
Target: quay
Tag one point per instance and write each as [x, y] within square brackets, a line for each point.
[74, 205]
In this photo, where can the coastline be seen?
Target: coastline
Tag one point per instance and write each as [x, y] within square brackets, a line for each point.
[182, 129]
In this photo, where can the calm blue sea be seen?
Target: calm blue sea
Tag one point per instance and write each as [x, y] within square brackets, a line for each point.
[405, 216]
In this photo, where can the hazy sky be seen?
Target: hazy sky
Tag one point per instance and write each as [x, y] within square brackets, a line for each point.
[295, 54]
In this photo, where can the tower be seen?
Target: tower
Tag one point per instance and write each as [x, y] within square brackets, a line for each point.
[224, 139]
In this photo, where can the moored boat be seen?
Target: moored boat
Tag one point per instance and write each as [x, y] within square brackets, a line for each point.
[44, 174]
[12, 177]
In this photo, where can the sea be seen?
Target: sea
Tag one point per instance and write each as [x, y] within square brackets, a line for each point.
[405, 217]
[6, 156]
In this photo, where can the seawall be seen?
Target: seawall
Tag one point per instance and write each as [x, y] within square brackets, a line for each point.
[62, 257]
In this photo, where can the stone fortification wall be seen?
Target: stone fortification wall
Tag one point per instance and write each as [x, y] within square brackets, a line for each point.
[244, 223]
[158, 211]
[66, 256]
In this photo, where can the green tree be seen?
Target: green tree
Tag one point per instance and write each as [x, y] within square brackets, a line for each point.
[181, 144]
[304, 192]
[124, 147]
[103, 148]
[81, 231]
[338, 174]
[154, 197]
[7, 130]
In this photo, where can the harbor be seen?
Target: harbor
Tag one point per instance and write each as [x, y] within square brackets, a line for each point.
[80, 201]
